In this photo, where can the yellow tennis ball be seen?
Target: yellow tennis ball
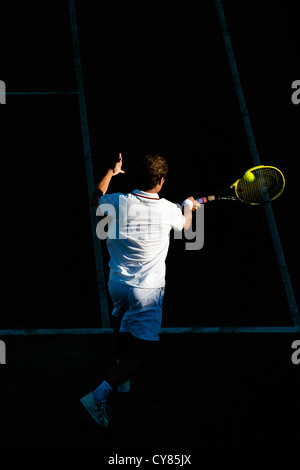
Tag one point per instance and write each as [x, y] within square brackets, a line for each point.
[249, 176]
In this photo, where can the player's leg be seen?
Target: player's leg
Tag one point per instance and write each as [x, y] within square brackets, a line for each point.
[143, 321]
[95, 402]
[122, 341]
[141, 354]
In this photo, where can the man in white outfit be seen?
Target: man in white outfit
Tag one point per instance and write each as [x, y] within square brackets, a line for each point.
[137, 242]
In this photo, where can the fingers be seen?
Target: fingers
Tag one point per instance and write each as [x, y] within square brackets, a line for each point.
[118, 165]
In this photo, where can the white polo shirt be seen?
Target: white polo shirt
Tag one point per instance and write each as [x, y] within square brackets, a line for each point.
[139, 236]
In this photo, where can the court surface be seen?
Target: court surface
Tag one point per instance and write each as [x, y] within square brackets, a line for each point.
[210, 89]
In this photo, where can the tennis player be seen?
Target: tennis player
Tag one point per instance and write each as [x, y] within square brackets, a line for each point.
[138, 245]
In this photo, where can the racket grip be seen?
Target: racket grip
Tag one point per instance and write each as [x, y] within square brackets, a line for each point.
[202, 200]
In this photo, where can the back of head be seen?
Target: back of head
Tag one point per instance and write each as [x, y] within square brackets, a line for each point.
[153, 168]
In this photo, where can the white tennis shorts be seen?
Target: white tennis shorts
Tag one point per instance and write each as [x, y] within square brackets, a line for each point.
[141, 309]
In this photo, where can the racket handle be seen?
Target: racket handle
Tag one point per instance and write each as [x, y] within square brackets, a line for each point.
[203, 200]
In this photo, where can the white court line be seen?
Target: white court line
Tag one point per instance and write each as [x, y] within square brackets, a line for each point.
[170, 330]
[175, 330]
[40, 93]
[88, 165]
[256, 160]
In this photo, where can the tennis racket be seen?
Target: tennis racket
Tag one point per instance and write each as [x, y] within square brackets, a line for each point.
[258, 185]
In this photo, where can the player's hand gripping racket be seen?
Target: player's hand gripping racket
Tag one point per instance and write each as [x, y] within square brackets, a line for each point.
[258, 185]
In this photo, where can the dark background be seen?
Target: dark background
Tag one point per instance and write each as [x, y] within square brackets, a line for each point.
[156, 79]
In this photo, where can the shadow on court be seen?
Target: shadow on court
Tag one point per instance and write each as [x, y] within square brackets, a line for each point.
[218, 392]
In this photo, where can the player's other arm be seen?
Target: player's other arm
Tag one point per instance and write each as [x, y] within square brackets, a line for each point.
[188, 208]
[103, 184]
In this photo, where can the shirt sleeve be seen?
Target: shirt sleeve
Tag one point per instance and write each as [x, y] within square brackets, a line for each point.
[109, 204]
[114, 199]
[108, 199]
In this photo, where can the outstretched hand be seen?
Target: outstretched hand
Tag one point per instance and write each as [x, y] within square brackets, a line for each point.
[118, 166]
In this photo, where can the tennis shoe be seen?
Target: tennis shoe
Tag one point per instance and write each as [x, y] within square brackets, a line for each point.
[100, 412]
[124, 387]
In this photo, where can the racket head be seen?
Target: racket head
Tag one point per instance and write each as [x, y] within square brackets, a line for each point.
[267, 186]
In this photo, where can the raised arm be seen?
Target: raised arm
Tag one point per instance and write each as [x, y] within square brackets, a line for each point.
[103, 184]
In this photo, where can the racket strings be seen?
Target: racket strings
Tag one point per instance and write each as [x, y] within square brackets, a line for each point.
[267, 185]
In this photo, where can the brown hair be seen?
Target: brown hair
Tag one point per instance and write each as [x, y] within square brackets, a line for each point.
[154, 167]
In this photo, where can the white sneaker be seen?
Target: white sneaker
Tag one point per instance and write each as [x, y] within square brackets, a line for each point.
[124, 387]
[101, 412]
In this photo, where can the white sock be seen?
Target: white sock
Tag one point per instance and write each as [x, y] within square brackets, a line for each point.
[102, 392]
